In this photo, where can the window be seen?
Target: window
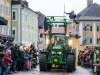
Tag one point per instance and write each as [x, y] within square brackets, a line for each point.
[34, 35]
[2, 8]
[77, 28]
[55, 25]
[31, 36]
[7, 11]
[98, 27]
[13, 33]
[13, 15]
[26, 17]
[22, 16]
[88, 39]
[2, 31]
[33, 21]
[98, 39]
[30, 19]
[23, 34]
[88, 27]
[26, 34]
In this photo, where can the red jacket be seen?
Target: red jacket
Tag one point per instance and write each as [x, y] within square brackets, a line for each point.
[6, 59]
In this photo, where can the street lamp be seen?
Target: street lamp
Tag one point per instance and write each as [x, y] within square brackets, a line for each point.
[67, 35]
[70, 42]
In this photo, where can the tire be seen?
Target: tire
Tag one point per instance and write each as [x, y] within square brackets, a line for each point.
[42, 61]
[70, 63]
[49, 67]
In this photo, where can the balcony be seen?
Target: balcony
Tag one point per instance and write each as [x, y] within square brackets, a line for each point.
[16, 1]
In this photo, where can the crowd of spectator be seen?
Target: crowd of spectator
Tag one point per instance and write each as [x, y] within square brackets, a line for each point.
[15, 58]
[90, 58]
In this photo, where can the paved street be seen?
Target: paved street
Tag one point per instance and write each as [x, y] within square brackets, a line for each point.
[79, 71]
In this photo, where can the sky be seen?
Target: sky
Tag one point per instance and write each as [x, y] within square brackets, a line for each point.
[56, 7]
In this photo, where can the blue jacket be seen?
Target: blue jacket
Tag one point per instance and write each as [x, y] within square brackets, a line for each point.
[29, 56]
[71, 15]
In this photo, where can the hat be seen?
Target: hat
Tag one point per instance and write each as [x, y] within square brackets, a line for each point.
[21, 48]
[8, 52]
[28, 48]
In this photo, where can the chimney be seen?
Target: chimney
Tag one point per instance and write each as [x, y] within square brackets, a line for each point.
[89, 2]
[25, 2]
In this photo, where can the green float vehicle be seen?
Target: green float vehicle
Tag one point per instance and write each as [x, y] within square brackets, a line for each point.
[58, 54]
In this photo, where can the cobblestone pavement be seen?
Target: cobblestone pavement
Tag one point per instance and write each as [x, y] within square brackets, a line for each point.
[79, 71]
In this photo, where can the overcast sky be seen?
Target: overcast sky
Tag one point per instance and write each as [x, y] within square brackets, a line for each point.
[56, 7]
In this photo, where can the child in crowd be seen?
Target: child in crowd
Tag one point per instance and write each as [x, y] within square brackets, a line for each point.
[6, 62]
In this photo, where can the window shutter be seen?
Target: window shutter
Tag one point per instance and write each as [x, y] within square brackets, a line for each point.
[0, 8]
[9, 11]
[8, 30]
[6, 10]
[91, 28]
[3, 9]
[90, 40]
[85, 28]
[97, 40]
[97, 28]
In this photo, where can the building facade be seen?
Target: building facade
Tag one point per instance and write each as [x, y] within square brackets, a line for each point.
[89, 27]
[24, 23]
[42, 28]
[5, 12]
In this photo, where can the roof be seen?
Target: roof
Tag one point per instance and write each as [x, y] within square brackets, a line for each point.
[41, 19]
[31, 10]
[91, 12]
[23, 3]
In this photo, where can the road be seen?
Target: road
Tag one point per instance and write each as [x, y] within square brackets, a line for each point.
[79, 71]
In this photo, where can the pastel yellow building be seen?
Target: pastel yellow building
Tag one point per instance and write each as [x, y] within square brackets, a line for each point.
[89, 26]
[5, 12]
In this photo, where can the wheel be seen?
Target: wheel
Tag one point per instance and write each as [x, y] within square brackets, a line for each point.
[70, 63]
[48, 66]
[42, 61]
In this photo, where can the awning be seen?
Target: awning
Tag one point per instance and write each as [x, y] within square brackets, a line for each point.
[9, 38]
[3, 21]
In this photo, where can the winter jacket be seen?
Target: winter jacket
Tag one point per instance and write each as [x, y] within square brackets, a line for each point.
[12, 53]
[15, 53]
[91, 55]
[6, 59]
[22, 55]
[71, 15]
[28, 56]
[7, 45]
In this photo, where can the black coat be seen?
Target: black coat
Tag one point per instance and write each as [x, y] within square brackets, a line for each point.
[15, 53]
